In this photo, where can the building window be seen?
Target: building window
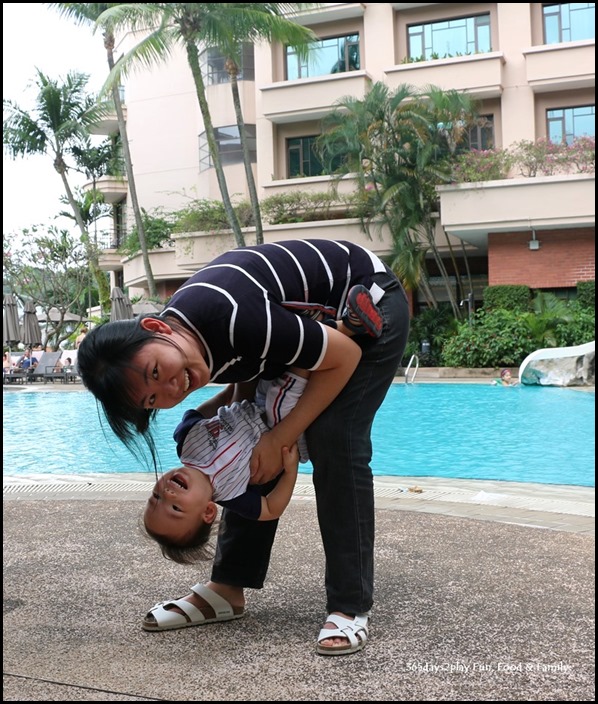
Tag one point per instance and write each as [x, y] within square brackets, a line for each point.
[332, 55]
[565, 124]
[481, 135]
[229, 146]
[303, 160]
[568, 21]
[456, 37]
[213, 66]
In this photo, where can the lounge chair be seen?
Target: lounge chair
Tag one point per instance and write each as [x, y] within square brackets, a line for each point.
[45, 367]
[15, 376]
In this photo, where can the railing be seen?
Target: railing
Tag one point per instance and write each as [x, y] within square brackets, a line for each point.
[414, 358]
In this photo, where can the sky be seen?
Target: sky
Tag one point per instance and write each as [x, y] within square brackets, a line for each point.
[35, 36]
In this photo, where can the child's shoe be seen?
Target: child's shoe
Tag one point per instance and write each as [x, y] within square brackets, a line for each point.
[361, 313]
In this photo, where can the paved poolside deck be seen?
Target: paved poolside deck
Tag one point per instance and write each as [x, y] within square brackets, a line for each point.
[485, 591]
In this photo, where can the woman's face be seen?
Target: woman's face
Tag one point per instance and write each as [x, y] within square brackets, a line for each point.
[171, 368]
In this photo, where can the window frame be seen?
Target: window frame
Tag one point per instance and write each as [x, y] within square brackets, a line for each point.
[228, 156]
[212, 77]
[303, 65]
[560, 12]
[430, 53]
[567, 122]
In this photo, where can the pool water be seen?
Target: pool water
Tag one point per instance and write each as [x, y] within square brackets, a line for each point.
[468, 431]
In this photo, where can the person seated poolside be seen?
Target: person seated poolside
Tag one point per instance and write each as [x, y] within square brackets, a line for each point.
[506, 379]
[27, 361]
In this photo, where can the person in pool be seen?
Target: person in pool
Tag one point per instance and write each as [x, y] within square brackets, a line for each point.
[505, 379]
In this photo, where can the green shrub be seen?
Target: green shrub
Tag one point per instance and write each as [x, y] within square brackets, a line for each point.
[579, 330]
[436, 325]
[302, 206]
[513, 298]
[497, 338]
[158, 229]
[482, 165]
[586, 294]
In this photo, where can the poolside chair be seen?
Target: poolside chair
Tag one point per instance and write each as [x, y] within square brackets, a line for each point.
[15, 376]
[45, 367]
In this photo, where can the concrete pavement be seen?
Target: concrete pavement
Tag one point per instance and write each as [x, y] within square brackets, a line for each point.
[485, 591]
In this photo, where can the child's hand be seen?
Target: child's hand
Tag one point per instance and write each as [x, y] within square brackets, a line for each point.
[290, 459]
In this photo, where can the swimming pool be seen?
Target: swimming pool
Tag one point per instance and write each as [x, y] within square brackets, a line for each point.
[467, 431]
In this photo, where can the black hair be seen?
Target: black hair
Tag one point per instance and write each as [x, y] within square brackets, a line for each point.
[188, 552]
[103, 359]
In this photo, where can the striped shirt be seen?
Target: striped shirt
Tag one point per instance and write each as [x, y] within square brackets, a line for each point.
[221, 447]
[246, 306]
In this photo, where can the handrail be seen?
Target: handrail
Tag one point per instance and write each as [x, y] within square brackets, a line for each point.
[415, 358]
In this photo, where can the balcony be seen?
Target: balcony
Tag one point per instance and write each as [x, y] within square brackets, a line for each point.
[113, 188]
[164, 268]
[479, 75]
[311, 98]
[470, 211]
[561, 66]
[108, 124]
[110, 260]
[196, 249]
[328, 12]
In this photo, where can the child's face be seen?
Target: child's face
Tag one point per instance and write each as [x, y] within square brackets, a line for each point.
[180, 502]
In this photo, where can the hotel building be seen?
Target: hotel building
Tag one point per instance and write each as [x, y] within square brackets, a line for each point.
[530, 66]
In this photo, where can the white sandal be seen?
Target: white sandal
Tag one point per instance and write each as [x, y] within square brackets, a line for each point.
[355, 630]
[162, 617]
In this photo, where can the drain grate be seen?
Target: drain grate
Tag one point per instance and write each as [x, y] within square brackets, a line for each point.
[115, 486]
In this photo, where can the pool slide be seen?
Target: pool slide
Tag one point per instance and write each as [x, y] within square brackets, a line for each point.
[560, 366]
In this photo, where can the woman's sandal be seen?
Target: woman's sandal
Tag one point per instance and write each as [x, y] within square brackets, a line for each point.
[355, 630]
[163, 617]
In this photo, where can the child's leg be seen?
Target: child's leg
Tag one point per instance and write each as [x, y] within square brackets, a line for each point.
[360, 316]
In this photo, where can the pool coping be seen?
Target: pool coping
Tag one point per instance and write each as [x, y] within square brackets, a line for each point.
[550, 506]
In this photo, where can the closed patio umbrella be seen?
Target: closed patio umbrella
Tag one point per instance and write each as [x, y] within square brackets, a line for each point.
[11, 334]
[31, 334]
[121, 305]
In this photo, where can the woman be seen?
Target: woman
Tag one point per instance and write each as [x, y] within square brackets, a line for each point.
[246, 315]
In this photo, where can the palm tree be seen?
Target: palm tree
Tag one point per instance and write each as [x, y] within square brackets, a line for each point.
[236, 24]
[392, 141]
[192, 25]
[60, 120]
[88, 13]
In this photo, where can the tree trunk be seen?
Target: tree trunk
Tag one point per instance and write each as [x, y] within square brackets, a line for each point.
[92, 255]
[255, 203]
[193, 59]
[124, 139]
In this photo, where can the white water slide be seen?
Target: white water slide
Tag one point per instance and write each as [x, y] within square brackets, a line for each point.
[560, 366]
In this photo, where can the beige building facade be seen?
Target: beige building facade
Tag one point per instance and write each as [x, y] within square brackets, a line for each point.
[531, 66]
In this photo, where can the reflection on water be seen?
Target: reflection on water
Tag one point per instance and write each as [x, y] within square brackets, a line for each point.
[469, 431]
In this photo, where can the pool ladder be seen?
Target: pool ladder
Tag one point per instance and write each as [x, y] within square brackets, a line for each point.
[414, 358]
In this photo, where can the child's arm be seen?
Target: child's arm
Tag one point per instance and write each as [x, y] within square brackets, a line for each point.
[230, 393]
[278, 499]
[209, 408]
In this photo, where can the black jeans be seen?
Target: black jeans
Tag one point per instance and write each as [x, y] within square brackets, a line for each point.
[340, 449]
